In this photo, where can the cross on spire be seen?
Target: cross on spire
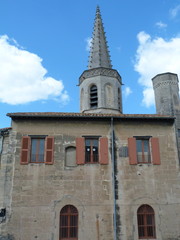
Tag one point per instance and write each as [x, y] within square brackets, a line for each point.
[99, 54]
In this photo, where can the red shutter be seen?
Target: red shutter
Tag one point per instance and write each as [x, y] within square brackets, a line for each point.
[155, 151]
[49, 150]
[103, 151]
[80, 150]
[25, 150]
[132, 151]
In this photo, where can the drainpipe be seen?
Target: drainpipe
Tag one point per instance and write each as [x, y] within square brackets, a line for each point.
[113, 178]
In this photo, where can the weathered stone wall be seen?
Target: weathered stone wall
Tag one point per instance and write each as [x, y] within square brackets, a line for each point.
[40, 191]
[6, 177]
[155, 185]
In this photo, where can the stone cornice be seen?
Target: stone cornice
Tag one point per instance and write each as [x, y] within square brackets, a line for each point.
[99, 72]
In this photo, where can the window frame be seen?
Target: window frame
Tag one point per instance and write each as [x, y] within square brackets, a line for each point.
[143, 213]
[144, 140]
[38, 149]
[93, 157]
[68, 217]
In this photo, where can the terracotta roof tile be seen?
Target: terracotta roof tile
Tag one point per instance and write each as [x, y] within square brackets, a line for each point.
[5, 129]
[84, 115]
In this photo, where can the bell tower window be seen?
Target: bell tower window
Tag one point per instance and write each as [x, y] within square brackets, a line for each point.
[93, 97]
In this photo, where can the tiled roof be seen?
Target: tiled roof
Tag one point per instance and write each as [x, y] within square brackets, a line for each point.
[5, 129]
[86, 115]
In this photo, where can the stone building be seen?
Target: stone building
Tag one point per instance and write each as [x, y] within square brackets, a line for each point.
[98, 174]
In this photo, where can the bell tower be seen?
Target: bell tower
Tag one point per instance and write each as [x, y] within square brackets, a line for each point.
[100, 85]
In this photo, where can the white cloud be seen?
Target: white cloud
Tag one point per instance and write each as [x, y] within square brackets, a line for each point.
[161, 25]
[175, 11]
[127, 91]
[23, 78]
[155, 56]
[88, 43]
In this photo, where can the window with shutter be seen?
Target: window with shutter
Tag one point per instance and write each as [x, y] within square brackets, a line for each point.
[37, 149]
[143, 149]
[91, 150]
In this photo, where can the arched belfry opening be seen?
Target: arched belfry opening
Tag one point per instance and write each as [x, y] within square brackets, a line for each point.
[93, 96]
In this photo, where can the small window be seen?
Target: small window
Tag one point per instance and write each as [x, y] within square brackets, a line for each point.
[146, 222]
[37, 150]
[93, 97]
[91, 150]
[68, 223]
[143, 150]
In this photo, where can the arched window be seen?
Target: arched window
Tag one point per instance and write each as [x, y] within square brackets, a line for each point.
[68, 223]
[146, 222]
[93, 97]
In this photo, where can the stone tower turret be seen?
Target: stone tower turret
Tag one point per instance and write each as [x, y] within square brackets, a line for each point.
[166, 91]
[100, 85]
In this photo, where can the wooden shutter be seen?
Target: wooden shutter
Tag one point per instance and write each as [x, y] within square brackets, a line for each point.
[49, 150]
[103, 151]
[25, 149]
[80, 150]
[155, 151]
[132, 151]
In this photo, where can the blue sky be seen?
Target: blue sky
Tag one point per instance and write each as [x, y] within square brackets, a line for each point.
[43, 51]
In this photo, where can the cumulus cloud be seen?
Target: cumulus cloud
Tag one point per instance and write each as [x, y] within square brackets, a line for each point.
[127, 91]
[23, 78]
[175, 11]
[161, 25]
[88, 43]
[154, 56]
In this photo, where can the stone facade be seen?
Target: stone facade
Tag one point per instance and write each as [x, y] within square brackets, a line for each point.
[37, 192]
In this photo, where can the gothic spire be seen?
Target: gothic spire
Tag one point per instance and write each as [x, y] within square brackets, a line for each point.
[99, 54]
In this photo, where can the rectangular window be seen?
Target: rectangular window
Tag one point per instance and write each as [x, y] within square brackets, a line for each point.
[91, 150]
[37, 150]
[143, 150]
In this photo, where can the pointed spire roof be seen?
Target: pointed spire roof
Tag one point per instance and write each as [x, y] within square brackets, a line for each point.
[99, 54]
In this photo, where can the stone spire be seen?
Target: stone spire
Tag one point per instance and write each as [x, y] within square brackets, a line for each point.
[99, 54]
